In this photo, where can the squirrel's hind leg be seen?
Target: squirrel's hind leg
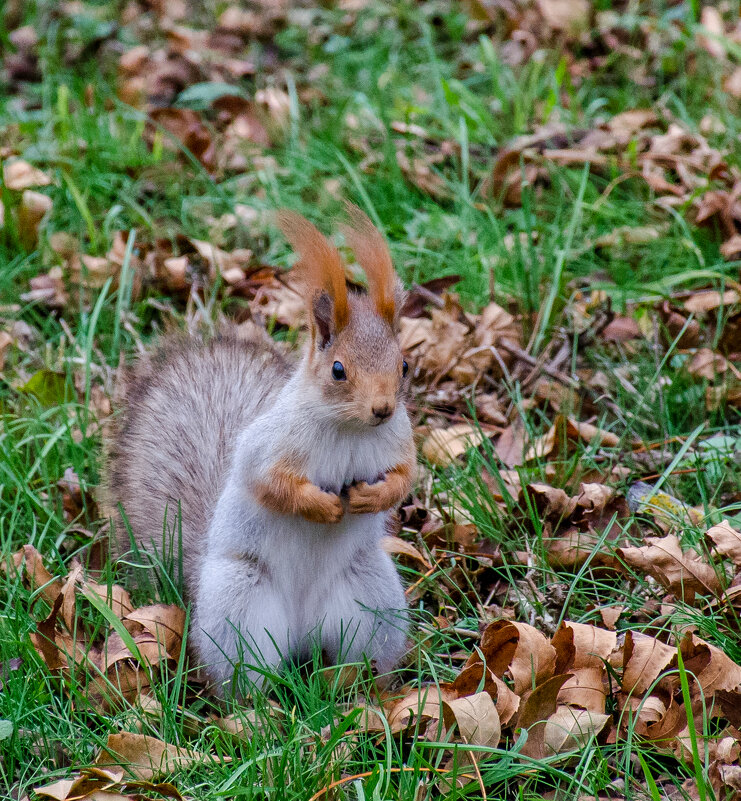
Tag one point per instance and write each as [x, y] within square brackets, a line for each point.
[365, 613]
[240, 625]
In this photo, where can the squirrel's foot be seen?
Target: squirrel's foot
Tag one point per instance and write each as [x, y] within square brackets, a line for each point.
[382, 495]
[366, 498]
[318, 506]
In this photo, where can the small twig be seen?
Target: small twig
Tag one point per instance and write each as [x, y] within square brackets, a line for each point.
[674, 473]
[526, 358]
[416, 584]
[402, 769]
[430, 297]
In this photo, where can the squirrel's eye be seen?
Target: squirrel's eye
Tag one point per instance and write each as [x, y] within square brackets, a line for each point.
[404, 368]
[338, 372]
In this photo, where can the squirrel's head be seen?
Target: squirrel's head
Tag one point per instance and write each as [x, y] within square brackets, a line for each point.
[354, 352]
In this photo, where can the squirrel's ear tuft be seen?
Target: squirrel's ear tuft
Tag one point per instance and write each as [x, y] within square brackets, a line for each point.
[373, 255]
[320, 270]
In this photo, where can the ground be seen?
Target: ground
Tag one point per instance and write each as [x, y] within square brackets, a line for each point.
[559, 184]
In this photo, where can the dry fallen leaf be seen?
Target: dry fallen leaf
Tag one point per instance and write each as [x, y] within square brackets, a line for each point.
[165, 622]
[19, 175]
[476, 717]
[644, 658]
[568, 729]
[398, 546]
[146, 757]
[727, 541]
[444, 445]
[683, 573]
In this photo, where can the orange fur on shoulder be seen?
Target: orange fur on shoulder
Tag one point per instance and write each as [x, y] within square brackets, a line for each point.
[320, 266]
[373, 255]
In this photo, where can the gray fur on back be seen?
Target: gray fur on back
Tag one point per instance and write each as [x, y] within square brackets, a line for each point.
[182, 409]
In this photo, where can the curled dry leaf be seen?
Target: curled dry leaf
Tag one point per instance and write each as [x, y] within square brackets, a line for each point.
[644, 658]
[146, 757]
[444, 445]
[93, 783]
[585, 689]
[701, 302]
[706, 364]
[187, 126]
[726, 541]
[165, 622]
[658, 717]
[31, 211]
[280, 301]
[230, 266]
[536, 707]
[582, 650]
[567, 431]
[19, 175]
[398, 546]
[610, 616]
[29, 563]
[476, 717]
[580, 645]
[245, 723]
[683, 573]
[514, 648]
[568, 729]
[711, 668]
[114, 595]
[423, 705]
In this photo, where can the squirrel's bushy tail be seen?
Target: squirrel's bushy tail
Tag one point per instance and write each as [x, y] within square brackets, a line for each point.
[181, 410]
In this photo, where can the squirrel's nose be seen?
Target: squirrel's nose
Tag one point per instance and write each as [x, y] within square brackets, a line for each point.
[382, 412]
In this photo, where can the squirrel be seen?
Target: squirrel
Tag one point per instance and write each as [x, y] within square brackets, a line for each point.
[283, 477]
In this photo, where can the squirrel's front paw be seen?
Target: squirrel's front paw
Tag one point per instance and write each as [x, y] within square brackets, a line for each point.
[369, 498]
[322, 507]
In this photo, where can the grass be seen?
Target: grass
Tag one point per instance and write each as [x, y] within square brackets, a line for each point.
[396, 62]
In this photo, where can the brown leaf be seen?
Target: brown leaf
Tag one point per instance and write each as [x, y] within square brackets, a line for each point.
[580, 645]
[423, 704]
[29, 562]
[701, 302]
[683, 573]
[727, 541]
[731, 248]
[519, 649]
[47, 289]
[476, 717]
[568, 729]
[31, 211]
[712, 21]
[610, 615]
[706, 364]
[657, 716]
[186, 126]
[564, 432]
[114, 595]
[93, 783]
[19, 175]
[230, 266]
[621, 329]
[444, 445]
[586, 689]
[510, 447]
[146, 757]
[396, 545]
[165, 622]
[536, 707]
[570, 16]
[711, 668]
[644, 658]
